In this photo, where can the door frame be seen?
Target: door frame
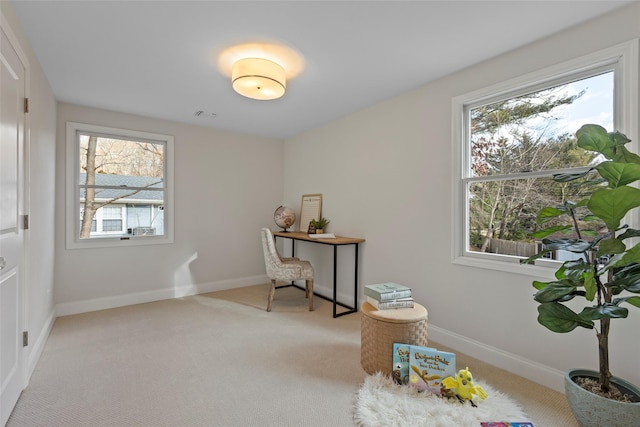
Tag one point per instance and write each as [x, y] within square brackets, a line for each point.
[26, 170]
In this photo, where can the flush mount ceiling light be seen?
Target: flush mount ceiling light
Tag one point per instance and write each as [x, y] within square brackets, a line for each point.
[258, 78]
[260, 70]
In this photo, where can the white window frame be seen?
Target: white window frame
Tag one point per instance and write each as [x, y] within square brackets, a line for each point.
[72, 214]
[623, 58]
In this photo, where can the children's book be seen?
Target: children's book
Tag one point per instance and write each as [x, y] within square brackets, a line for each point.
[387, 291]
[400, 371]
[428, 367]
[505, 424]
[391, 304]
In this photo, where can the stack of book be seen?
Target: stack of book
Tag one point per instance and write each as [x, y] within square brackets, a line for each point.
[388, 295]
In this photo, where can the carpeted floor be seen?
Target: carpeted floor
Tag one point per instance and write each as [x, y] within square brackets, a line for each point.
[220, 359]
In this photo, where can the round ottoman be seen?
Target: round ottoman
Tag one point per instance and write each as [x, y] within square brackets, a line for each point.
[381, 328]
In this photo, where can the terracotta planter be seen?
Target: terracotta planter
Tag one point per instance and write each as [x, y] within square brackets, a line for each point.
[591, 410]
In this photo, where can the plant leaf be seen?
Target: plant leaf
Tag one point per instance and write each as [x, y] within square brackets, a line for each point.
[571, 245]
[590, 285]
[595, 138]
[554, 291]
[610, 247]
[611, 205]
[625, 156]
[629, 282]
[536, 256]
[618, 174]
[633, 300]
[631, 256]
[539, 285]
[548, 213]
[549, 231]
[630, 232]
[574, 269]
[558, 318]
[568, 177]
[610, 311]
[619, 139]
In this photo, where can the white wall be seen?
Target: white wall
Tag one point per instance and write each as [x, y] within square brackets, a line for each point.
[227, 186]
[387, 177]
[40, 237]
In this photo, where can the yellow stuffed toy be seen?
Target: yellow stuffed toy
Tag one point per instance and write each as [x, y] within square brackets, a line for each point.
[464, 387]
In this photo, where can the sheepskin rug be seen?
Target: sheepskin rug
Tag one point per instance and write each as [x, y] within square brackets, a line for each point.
[381, 402]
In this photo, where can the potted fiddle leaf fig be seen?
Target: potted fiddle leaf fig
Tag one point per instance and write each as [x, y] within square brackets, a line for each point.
[604, 272]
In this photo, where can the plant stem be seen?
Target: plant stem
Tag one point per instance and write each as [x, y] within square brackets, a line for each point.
[605, 323]
[603, 353]
[572, 212]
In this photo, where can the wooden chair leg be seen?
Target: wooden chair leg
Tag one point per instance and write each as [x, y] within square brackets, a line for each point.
[310, 293]
[272, 293]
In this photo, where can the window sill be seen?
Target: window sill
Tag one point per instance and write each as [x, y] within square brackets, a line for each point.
[113, 242]
[512, 266]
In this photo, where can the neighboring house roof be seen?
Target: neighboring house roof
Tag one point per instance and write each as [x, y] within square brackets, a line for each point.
[126, 182]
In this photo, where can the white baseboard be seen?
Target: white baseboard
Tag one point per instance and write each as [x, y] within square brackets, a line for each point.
[534, 371]
[37, 346]
[76, 307]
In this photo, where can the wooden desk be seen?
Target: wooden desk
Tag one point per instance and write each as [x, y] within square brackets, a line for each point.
[335, 242]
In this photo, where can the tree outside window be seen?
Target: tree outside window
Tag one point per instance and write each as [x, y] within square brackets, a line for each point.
[511, 138]
[516, 144]
[121, 182]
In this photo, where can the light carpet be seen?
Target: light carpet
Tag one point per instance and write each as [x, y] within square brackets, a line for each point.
[381, 402]
[220, 359]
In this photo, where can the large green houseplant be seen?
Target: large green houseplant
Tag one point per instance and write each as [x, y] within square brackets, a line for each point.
[605, 273]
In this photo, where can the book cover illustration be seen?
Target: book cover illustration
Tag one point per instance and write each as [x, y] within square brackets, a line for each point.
[428, 367]
[387, 291]
[400, 370]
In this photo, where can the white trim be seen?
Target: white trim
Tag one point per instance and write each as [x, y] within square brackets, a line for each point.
[72, 220]
[624, 56]
[178, 291]
[534, 371]
[37, 346]
[540, 78]
[24, 352]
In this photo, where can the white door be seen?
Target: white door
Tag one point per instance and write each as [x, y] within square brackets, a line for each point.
[12, 93]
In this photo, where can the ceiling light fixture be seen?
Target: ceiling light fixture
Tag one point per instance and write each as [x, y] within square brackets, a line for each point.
[258, 78]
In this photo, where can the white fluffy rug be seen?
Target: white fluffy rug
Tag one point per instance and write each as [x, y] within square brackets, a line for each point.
[381, 402]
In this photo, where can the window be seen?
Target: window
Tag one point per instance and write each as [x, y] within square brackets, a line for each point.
[119, 187]
[512, 138]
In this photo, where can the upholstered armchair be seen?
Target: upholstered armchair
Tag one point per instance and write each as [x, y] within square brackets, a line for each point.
[285, 269]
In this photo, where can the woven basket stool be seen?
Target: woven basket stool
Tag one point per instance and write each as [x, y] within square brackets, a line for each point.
[381, 328]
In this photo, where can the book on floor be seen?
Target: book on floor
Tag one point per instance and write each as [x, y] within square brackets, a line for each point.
[387, 291]
[400, 371]
[505, 424]
[391, 304]
[428, 367]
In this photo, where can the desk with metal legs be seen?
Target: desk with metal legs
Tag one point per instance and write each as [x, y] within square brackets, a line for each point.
[335, 242]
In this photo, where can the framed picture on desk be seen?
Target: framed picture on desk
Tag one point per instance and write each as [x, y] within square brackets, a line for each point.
[310, 208]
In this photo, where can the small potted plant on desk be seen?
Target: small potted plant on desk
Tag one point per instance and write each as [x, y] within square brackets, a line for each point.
[605, 273]
[319, 224]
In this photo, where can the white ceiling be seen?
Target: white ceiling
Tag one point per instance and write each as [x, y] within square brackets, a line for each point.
[159, 58]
